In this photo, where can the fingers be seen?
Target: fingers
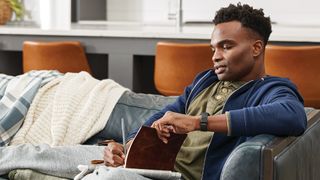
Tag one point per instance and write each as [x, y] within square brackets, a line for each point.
[177, 123]
[113, 155]
[169, 128]
[163, 136]
[162, 132]
[162, 127]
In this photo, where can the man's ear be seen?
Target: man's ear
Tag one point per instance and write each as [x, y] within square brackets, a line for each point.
[257, 48]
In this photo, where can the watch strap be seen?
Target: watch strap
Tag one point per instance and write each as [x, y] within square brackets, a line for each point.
[204, 121]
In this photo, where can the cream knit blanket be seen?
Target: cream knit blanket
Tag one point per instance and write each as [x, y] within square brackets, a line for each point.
[69, 110]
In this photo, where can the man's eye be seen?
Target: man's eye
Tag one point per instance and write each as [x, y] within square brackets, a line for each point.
[213, 50]
[226, 47]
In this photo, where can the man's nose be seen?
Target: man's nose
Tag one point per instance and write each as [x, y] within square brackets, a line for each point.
[217, 56]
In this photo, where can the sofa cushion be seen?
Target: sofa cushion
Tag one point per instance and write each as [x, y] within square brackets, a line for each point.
[135, 108]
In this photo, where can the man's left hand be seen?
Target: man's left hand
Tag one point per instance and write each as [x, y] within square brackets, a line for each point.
[177, 123]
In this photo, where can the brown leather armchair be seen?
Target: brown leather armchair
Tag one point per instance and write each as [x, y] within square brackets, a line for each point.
[301, 65]
[176, 65]
[64, 56]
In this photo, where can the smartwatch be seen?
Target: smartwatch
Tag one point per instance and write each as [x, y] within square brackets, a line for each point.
[204, 121]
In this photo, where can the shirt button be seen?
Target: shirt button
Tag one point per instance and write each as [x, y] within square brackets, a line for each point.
[224, 90]
[218, 97]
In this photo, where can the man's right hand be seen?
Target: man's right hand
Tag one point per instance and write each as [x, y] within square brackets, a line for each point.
[114, 155]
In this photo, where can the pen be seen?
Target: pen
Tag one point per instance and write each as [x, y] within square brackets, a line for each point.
[123, 136]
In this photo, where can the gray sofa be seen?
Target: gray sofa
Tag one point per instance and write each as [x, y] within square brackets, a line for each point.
[267, 157]
[264, 157]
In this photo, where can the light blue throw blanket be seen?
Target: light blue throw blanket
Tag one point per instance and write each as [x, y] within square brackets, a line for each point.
[16, 95]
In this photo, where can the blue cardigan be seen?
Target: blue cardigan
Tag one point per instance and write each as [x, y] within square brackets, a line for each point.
[269, 105]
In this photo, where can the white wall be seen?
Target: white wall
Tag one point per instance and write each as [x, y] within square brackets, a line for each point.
[147, 11]
[124, 10]
[32, 7]
[49, 14]
[294, 12]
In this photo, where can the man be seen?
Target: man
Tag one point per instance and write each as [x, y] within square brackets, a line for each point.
[226, 106]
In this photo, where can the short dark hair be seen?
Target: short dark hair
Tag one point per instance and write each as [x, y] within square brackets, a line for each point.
[248, 17]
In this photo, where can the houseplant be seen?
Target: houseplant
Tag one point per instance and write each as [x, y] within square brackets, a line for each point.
[9, 7]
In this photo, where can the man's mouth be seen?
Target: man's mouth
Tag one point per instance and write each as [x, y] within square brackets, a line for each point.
[218, 69]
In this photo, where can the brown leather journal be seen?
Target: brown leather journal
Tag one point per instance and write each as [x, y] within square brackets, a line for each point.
[147, 151]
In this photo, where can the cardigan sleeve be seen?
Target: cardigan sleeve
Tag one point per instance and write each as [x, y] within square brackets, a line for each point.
[281, 113]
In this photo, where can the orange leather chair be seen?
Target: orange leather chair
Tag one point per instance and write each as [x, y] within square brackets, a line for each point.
[177, 64]
[301, 65]
[64, 56]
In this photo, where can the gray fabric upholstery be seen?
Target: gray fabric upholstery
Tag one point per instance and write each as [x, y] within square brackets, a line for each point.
[135, 108]
[245, 161]
[301, 159]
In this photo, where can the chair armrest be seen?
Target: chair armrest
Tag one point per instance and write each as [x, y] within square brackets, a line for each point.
[244, 161]
[294, 157]
[269, 157]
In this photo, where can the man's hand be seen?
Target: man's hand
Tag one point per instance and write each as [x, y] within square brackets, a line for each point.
[164, 132]
[177, 123]
[114, 155]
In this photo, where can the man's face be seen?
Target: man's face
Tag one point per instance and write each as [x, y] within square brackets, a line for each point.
[233, 52]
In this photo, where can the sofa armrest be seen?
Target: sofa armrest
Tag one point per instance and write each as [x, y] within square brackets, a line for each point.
[270, 157]
[294, 158]
[245, 160]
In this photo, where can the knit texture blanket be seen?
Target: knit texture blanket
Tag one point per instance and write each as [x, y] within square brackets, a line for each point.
[69, 110]
[16, 95]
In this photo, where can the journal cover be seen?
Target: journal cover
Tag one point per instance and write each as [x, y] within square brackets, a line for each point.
[147, 151]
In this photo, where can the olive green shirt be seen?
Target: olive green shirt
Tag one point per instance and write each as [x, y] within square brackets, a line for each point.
[191, 156]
